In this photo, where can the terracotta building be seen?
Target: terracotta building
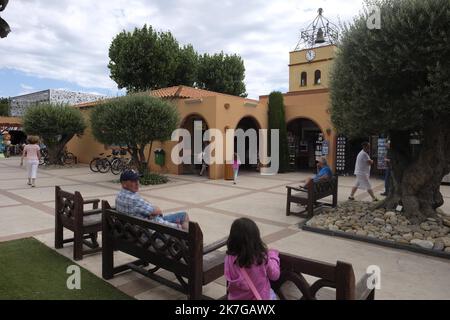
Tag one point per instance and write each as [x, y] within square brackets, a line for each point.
[306, 115]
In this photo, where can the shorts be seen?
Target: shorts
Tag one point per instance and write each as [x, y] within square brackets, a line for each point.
[362, 182]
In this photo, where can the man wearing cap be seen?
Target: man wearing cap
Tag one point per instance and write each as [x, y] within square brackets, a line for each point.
[128, 201]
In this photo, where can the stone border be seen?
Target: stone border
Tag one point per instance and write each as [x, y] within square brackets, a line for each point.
[380, 242]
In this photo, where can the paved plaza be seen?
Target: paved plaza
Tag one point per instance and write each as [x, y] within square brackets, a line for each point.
[214, 204]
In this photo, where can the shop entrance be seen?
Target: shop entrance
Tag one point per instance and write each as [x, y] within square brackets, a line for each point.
[245, 124]
[194, 123]
[304, 144]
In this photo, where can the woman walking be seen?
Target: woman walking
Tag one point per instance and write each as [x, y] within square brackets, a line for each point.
[32, 152]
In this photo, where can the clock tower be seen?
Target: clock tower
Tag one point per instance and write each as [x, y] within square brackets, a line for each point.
[310, 62]
[309, 68]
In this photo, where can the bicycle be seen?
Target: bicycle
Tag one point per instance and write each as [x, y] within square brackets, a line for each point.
[66, 158]
[100, 164]
[124, 164]
[118, 162]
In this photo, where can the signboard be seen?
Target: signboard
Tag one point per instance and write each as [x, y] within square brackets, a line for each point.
[382, 150]
[340, 153]
[325, 148]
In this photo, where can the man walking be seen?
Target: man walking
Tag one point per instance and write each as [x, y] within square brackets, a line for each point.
[362, 172]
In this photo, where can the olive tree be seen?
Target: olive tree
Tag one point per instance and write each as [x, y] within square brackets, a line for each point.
[56, 124]
[134, 121]
[395, 80]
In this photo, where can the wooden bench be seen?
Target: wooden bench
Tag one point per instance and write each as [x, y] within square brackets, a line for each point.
[339, 277]
[85, 224]
[178, 251]
[309, 196]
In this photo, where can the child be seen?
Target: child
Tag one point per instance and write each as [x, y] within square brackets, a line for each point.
[236, 164]
[249, 266]
[32, 152]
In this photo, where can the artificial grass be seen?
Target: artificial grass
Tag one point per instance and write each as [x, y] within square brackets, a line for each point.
[32, 271]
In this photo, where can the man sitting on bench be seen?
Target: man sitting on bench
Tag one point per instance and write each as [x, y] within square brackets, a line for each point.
[128, 201]
[324, 173]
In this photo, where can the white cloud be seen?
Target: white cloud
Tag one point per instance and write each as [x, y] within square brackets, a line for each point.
[69, 40]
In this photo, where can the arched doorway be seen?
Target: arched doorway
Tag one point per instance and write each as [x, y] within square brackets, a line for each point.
[250, 144]
[304, 143]
[194, 123]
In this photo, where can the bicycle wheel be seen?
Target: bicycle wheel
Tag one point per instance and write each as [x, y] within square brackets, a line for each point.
[103, 165]
[116, 166]
[69, 158]
[93, 165]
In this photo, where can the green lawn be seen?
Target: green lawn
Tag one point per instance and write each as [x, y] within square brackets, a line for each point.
[30, 270]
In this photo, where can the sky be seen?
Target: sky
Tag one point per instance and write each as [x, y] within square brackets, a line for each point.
[63, 44]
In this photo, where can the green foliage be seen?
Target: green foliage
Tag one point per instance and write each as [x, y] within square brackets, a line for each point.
[146, 59]
[5, 107]
[56, 124]
[397, 77]
[134, 121]
[277, 120]
[143, 59]
[149, 178]
[222, 73]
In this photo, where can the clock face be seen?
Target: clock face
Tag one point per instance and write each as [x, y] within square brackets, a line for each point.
[310, 55]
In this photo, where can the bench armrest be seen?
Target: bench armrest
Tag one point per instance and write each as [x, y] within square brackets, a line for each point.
[94, 202]
[215, 245]
[301, 189]
[362, 292]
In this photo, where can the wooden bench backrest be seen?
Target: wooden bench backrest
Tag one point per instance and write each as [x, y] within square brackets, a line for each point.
[293, 268]
[68, 204]
[172, 249]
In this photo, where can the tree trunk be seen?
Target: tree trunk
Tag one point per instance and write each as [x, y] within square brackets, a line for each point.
[416, 176]
[55, 150]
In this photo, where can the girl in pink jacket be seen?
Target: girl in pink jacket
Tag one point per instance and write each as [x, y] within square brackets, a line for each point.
[249, 265]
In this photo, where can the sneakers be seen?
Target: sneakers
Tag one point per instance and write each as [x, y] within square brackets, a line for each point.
[351, 198]
[375, 199]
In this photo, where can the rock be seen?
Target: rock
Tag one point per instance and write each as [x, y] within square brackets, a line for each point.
[418, 235]
[388, 228]
[408, 236]
[431, 219]
[446, 241]
[446, 222]
[425, 226]
[403, 229]
[379, 220]
[447, 250]
[389, 214]
[332, 227]
[438, 245]
[422, 243]
[361, 233]
[393, 220]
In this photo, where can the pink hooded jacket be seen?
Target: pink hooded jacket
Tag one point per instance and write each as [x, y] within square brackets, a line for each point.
[260, 276]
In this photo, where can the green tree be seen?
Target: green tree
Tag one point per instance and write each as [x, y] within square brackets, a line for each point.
[222, 73]
[395, 80]
[186, 72]
[143, 59]
[5, 107]
[56, 124]
[277, 120]
[134, 121]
